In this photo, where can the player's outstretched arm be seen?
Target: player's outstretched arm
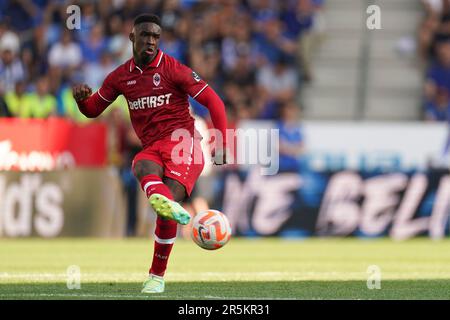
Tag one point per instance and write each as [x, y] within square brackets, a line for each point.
[216, 107]
[91, 105]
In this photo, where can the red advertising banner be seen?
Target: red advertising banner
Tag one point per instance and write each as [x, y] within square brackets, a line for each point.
[54, 143]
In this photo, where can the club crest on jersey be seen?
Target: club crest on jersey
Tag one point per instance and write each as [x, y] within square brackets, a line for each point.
[196, 76]
[156, 79]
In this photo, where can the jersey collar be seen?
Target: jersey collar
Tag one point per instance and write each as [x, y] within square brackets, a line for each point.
[154, 64]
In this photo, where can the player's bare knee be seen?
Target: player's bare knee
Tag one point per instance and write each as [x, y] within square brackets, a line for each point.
[139, 170]
[177, 189]
[143, 168]
[178, 193]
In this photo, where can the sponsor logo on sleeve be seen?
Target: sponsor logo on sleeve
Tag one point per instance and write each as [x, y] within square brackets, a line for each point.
[196, 76]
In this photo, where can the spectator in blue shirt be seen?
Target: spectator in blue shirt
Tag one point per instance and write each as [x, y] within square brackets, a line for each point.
[304, 22]
[291, 137]
[173, 46]
[438, 75]
[95, 45]
[439, 108]
[274, 43]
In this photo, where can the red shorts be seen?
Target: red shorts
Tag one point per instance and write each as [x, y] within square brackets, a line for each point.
[182, 161]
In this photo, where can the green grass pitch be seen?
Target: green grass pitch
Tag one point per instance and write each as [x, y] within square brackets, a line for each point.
[243, 269]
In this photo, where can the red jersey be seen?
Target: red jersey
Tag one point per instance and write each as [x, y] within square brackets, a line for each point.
[157, 95]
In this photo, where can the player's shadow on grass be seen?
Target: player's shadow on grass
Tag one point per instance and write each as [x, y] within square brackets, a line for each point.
[390, 289]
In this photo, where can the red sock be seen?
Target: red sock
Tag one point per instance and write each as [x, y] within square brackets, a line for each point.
[165, 235]
[153, 184]
[165, 231]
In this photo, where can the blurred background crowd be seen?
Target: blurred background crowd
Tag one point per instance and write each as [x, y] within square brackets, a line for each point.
[434, 51]
[257, 54]
[253, 52]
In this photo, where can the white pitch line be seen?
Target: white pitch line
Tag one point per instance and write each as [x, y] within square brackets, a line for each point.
[190, 276]
[120, 277]
[248, 298]
[155, 297]
[81, 295]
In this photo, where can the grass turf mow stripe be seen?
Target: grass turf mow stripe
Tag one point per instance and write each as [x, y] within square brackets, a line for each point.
[244, 269]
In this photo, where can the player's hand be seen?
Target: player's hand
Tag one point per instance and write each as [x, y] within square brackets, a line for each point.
[219, 156]
[81, 92]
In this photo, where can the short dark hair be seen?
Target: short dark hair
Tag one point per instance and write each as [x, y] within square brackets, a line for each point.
[153, 18]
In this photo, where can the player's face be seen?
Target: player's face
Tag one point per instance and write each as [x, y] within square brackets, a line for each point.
[145, 40]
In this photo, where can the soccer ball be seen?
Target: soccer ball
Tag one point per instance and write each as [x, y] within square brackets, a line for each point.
[211, 229]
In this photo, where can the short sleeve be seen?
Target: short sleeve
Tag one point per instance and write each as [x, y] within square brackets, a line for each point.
[108, 90]
[188, 80]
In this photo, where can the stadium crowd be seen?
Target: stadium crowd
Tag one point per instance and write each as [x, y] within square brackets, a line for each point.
[249, 51]
[254, 53]
[434, 51]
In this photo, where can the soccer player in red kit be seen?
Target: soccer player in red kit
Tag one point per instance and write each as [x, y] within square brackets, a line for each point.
[157, 87]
